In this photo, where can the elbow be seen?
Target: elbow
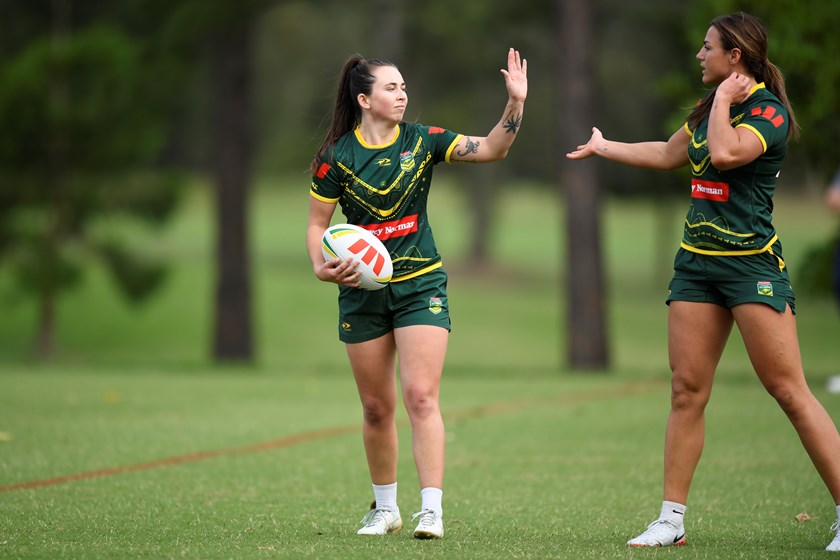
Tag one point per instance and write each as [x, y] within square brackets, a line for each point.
[723, 161]
[500, 155]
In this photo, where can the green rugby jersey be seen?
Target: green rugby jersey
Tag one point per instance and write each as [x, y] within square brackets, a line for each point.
[731, 211]
[385, 189]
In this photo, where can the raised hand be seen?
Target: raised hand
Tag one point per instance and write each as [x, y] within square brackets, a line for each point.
[516, 76]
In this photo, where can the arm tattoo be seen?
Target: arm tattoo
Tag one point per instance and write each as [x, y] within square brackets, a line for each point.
[470, 148]
[512, 123]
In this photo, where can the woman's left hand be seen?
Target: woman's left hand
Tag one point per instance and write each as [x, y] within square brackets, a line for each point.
[516, 76]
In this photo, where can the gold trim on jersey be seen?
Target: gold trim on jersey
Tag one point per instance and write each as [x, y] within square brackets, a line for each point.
[452, 147]
[387, 212]
[757, 133]
[364, 143]
[321, 198]
[395, 182]
[768, 248]
[417, 273]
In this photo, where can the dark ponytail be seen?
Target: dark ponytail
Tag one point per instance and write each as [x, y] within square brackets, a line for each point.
[747, 33]
[356, 77]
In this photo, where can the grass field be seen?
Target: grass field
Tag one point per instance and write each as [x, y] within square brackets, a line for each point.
[134, 445]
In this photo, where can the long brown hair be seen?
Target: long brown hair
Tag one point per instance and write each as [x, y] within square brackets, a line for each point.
[747, 33]
[356, 77]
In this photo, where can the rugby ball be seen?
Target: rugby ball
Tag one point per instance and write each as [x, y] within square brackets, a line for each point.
[347, 241]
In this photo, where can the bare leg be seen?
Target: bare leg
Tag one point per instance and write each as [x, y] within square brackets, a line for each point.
[697, 334]
[772, 344]
[422, 349]
[374, 367]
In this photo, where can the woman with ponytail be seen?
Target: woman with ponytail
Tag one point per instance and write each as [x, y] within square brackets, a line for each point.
[378, 168]
[729, 269]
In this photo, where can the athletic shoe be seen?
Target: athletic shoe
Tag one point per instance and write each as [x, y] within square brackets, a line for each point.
[660, 533]
[430, 525]
[834, 546]
[380, 522]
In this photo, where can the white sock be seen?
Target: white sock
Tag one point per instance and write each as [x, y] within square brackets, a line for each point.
[838, 512]
[431, 499]
[673, 512]
[386, 496]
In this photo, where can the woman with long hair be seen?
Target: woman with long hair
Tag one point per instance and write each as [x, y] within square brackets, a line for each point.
[729, 269]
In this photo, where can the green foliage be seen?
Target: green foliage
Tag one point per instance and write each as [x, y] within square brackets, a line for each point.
[815, 270]
[80, 137]
[799, 35]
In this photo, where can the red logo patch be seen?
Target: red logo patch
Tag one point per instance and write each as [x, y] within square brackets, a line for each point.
[396, 228]
[436, 130]
[322, 170]
[710, 190]
[767, 113]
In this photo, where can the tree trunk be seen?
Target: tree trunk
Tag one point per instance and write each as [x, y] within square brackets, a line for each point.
[56, 176]
[586, 306]
[232, 153]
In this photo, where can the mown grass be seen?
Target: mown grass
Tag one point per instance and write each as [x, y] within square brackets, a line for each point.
[266, 460]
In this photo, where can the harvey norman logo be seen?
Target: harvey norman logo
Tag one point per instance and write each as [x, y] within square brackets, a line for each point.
[396, 228]
[710, 190]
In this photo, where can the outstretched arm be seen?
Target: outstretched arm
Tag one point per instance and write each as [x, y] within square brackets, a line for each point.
[495, 145]
[653, 155]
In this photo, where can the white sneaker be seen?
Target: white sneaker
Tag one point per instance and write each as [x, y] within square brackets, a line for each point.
[834, 546]
[380, 522]
[660, 533]
[430, 525]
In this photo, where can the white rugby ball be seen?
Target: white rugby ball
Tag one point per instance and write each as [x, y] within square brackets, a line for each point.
[347, 241]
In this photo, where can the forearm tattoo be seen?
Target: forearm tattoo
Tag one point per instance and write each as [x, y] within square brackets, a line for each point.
[512, 123]
[470, 148]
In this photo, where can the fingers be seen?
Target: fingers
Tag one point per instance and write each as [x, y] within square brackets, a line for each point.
[516, 63]
[342, 272]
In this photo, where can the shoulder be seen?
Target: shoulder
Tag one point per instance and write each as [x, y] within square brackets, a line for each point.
[764, 103]
[765, 115]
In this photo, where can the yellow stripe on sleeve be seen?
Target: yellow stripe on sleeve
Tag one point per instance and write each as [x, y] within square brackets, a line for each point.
[452, 147]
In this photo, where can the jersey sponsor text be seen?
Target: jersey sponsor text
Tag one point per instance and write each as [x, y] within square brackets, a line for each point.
[710, 190]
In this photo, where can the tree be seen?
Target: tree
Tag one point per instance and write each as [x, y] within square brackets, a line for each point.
[78, 144]
[221, 34]
[586, 306]
[232, 155]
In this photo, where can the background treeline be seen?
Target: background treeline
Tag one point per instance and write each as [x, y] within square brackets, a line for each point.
[108, 109]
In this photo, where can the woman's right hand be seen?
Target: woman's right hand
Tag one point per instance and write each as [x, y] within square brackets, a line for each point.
[339, 272]
[590, 148]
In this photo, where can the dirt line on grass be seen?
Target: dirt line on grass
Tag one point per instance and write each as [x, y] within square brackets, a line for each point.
[492, 409]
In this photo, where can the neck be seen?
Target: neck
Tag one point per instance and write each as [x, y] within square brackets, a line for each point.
[378, 133]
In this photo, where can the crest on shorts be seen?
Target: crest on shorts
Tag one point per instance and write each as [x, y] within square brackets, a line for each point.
[406, 161]
[435, 305]
[765, 288]
[346, 327]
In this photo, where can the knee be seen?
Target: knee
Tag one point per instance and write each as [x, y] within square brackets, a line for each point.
[421, 402]
[792, 399]
[687, 394]
[377, 411]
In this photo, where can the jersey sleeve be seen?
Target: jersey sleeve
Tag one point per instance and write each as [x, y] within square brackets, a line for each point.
[768, 119]
[442, 142]
[325, 185]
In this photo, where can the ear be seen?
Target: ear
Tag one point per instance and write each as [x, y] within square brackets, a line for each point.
[734, 55]
[363, 101]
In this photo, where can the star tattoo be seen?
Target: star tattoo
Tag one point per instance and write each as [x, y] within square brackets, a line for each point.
[513, 123]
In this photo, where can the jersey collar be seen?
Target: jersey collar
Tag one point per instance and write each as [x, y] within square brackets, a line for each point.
[362, 141]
